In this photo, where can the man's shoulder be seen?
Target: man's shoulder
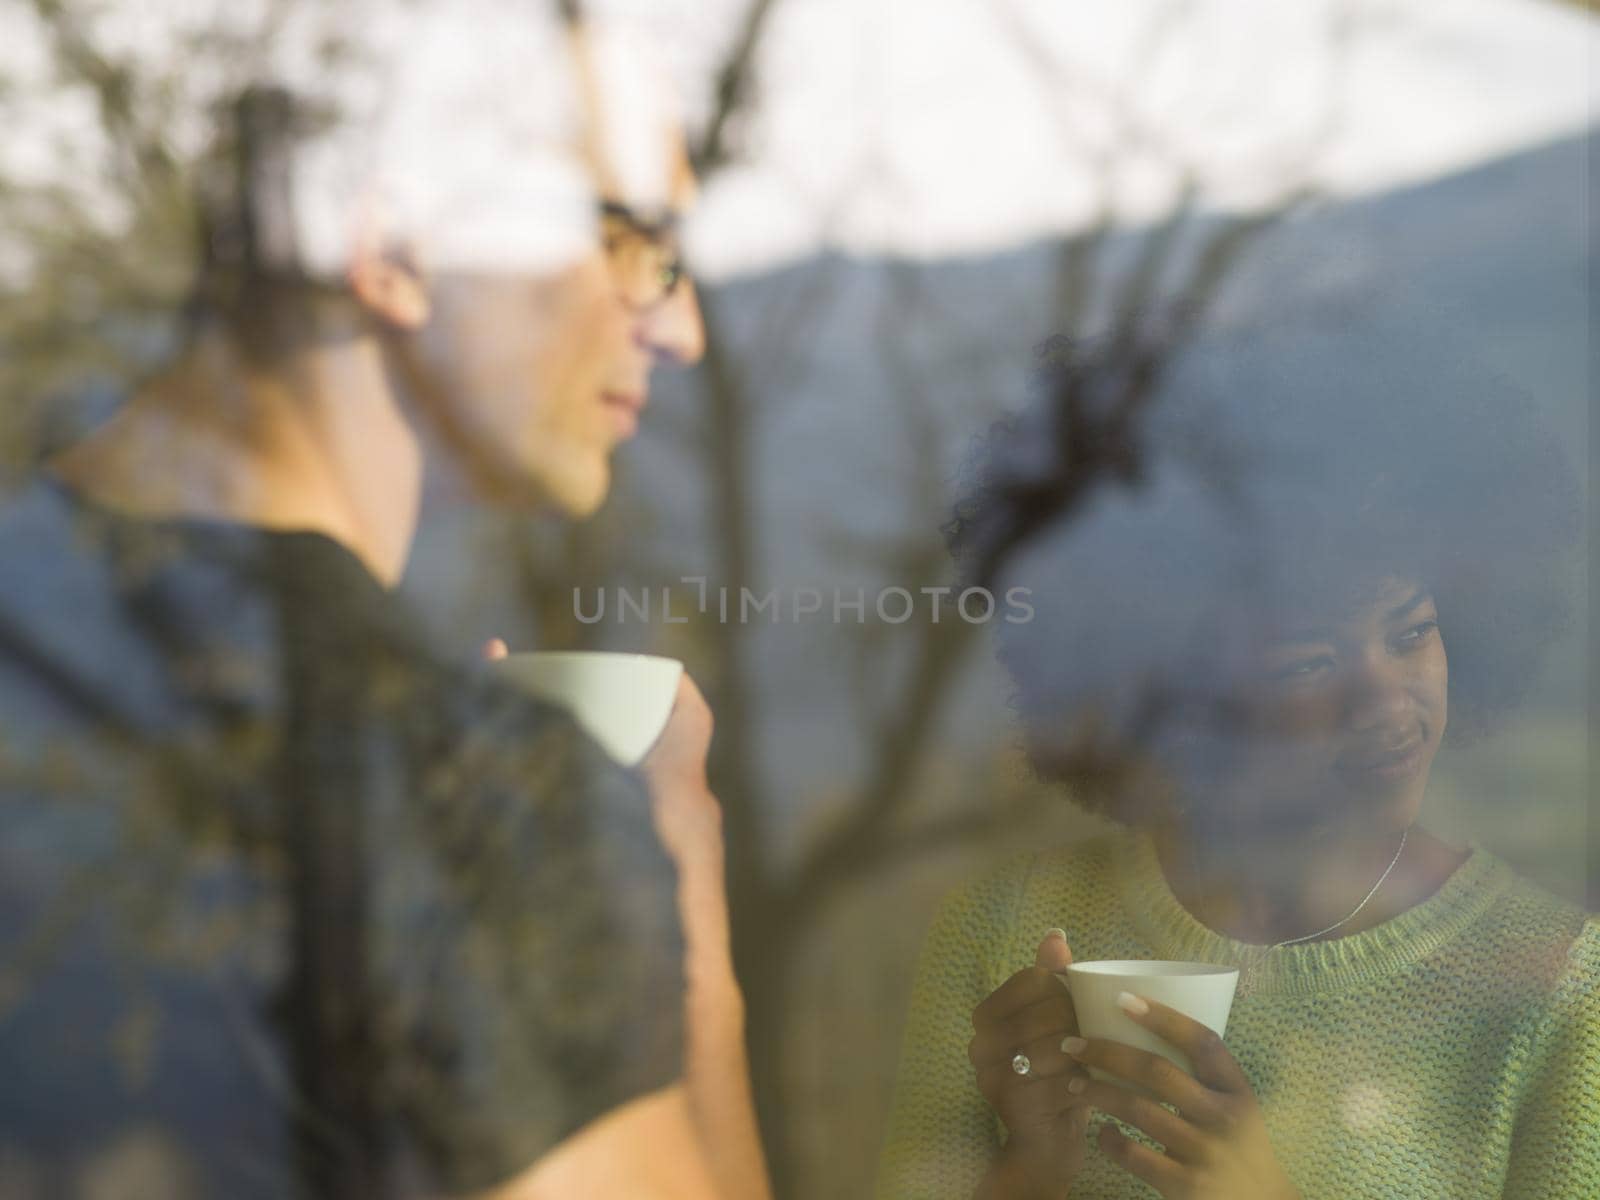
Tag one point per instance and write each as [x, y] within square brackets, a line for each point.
[136, 610]
[66, 639]
[43, 537]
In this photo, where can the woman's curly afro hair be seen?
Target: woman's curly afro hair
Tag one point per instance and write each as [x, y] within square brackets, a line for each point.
[1268, 470]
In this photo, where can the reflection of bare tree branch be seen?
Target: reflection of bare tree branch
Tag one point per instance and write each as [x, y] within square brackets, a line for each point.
[1100, 417]
[1139, 290]
[1157, 307]
[855, 842]
[1071, 83]
[1092, 447]
[144, 157]
[732, 89]
[734, 523]
[912, 383]
[116, 241]
[978, 824]
[1075, 266]
[802, 306]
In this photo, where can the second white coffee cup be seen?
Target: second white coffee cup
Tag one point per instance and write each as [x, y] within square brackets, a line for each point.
[621, 700]
[1203, 991]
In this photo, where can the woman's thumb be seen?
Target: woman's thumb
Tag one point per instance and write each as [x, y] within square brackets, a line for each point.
[1053, 953]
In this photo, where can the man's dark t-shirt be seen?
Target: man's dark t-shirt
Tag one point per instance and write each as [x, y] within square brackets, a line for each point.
[288, 907]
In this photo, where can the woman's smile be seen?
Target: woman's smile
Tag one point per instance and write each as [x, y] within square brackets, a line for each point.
[1397, 765]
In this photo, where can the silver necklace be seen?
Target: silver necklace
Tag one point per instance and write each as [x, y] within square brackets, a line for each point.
[1247, 973]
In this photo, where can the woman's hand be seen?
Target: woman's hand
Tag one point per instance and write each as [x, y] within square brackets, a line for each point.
[1030, 1014]
[1216, 1143]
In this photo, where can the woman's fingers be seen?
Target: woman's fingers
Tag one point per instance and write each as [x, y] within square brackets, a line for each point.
[1043, 1053]
[1026, 1104]
[1161, 1077]
[1027, 986]
[1045, 1058]
[1182, 1140]
[1213, 1065]
[1167, 1173]
[1029, 1014]
[998, 1041]
[1053, 952]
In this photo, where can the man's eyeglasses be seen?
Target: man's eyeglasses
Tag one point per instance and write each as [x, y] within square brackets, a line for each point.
[643, 253]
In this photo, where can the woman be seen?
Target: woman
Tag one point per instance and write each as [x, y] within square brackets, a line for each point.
[1242, 660]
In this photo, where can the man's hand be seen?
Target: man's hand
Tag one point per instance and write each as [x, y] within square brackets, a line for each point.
[688, 820]
[678, 757]
[687, 816]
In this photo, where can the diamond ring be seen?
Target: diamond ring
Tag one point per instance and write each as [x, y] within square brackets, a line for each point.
[1021, 1065]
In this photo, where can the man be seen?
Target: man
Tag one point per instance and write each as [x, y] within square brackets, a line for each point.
[289, 908]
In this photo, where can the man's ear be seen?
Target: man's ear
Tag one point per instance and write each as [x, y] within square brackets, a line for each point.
[388, 284]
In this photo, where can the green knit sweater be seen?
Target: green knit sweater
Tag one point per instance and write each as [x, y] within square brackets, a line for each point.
[1452, 1052]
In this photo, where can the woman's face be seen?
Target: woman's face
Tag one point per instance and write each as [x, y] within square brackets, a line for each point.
[1341, 710]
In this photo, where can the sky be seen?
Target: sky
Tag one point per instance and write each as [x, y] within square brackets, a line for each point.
[938, 128]
[946, 128]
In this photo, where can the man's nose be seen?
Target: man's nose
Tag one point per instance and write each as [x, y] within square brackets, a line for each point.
[672, 330]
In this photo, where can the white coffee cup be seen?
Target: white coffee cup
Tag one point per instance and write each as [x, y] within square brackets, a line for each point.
[621, 700]
[1203, 991]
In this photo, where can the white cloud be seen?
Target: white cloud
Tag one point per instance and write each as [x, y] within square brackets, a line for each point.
[956, 129]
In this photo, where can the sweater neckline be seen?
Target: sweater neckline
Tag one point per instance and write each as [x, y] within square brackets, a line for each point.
[1359, 959]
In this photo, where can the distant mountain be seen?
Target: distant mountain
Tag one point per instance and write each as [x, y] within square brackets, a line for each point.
[1498, 260]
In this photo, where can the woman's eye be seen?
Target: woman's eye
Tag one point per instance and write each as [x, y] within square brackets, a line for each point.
[1302, 669]
[1418, 633]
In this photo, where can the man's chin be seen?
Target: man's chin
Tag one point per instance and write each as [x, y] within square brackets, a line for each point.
[579, 508]
[574, 494]
[519, 487]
